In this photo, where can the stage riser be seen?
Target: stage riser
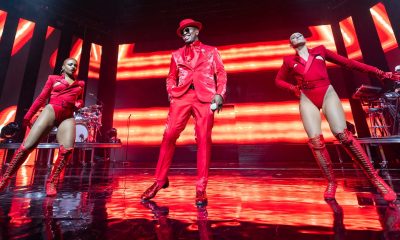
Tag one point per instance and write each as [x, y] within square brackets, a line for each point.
[257, 156]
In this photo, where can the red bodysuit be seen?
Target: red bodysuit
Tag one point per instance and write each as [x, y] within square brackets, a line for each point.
[64, 98]
[314, 81]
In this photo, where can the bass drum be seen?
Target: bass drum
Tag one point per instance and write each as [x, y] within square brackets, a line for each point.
[82, 132]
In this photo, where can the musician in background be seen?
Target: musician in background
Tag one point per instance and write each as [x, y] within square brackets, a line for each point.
[66, 96]
[308, 67]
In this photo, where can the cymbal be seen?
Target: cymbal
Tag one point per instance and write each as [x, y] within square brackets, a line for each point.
[84, 109]
[95, 106]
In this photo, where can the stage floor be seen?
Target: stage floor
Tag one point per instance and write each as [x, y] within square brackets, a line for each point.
[102, 202]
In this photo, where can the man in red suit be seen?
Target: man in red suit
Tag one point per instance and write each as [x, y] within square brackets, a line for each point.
[196, 85]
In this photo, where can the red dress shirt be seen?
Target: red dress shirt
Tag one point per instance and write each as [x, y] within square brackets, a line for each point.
[206, 73]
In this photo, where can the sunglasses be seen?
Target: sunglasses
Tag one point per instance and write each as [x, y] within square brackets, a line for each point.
[187, 30]
[297, 36]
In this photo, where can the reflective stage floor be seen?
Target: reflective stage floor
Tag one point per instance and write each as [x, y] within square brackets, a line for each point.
[102, 202]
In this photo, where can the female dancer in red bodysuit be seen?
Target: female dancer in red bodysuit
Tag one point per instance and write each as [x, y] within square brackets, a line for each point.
[65, 95]
[315, 92]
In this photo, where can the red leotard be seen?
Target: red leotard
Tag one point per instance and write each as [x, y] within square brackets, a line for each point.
[315, 82]
[64, 98]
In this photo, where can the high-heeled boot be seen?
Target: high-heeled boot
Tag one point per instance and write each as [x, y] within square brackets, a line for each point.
[63, 156]
[18, 159]
[321, 155]
[357, 153]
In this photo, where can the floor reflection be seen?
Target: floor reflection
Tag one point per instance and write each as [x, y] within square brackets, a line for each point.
[339, 228]
[102, 202]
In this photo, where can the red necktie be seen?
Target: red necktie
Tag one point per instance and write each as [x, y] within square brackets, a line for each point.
[189, 50]
[189, 53]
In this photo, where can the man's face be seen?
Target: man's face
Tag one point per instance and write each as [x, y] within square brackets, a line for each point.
[297, 39]
[190, 34]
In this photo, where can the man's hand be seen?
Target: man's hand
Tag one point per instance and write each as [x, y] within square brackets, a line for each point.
[219, 101]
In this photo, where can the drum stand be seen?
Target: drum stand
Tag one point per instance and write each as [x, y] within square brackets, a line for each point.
[371, 97]
[377, 122]
[392, 101]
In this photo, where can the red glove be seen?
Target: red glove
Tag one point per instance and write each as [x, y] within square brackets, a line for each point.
[383, 75]
[395, 77]
[296, 90]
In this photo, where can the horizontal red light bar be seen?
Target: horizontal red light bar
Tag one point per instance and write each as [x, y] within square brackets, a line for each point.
[237, 58]
[237, 124]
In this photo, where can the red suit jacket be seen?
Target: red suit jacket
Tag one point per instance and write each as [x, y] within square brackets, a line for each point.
[69, 95]
[208, 76]
[317, 74]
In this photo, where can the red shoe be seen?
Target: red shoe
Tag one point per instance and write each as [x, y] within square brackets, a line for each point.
[152, 190]
[201, 198]
[51, 190]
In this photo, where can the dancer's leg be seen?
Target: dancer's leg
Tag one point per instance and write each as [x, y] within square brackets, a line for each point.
[66, 139]
[42, 126]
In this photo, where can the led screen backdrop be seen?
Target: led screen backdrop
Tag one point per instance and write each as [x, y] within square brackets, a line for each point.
[257, 112]
[16, 68]
[256, 119]
[50, 46]
[243, 121]
[386, 35]
[353, 48]
[3, 16]
[93, 75]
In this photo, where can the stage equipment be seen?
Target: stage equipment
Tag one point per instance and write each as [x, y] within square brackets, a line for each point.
[127, 137]
[382, 110]
[112, 136]
[9, 132]
[88, 123]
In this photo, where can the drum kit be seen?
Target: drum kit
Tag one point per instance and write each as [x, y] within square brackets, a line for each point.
[88, 123]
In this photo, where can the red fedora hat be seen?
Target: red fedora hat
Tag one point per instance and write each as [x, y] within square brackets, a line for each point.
[188, 23]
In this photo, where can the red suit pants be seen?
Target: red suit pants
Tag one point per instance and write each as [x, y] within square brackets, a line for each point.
[179, 113]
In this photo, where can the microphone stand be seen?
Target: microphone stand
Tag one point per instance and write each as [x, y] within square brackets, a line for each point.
[127, 138]
[97, 127]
